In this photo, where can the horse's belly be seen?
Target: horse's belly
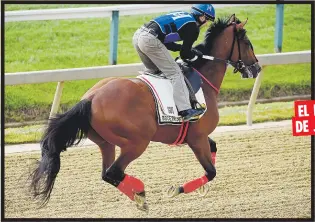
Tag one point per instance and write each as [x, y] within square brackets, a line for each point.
[166, 134]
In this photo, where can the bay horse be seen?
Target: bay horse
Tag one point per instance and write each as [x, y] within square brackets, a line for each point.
[122, 112]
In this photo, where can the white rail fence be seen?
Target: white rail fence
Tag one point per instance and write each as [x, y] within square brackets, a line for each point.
[99, 12]
[63, 75]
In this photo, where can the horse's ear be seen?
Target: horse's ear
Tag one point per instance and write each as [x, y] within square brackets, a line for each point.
[242, 24]
[232, 19]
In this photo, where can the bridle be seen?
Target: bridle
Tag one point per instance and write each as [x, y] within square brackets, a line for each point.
[239, 65]
[250, 71]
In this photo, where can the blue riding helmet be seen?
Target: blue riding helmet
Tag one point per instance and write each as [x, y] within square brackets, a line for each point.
[203, 9]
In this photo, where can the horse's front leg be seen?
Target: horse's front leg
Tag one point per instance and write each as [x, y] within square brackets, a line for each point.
[201, 149]
[213, 148]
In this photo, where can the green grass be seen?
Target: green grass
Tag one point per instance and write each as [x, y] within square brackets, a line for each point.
[235, 115]
[14, 7]
[44, 45]
[57, 44]
[27, 134]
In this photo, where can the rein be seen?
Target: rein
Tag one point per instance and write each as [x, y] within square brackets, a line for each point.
[204, 78]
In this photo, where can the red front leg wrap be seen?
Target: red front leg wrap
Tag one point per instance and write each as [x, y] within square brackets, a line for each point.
[195, 184]
[131, 185]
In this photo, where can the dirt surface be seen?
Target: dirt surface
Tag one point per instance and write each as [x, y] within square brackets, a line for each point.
[260, 174]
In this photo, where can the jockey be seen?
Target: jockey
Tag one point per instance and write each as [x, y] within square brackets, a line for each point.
[153, 40]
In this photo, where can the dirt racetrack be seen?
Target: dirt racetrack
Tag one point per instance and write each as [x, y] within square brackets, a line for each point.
[260, 174]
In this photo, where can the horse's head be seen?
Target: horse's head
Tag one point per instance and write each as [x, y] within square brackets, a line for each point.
[246, 61]
[226, 40]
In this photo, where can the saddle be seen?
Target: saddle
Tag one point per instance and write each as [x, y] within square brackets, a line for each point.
[192, 79]
[161, 89]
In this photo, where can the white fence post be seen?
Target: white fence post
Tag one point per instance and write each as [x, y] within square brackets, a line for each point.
[56, 103]
[253, 98]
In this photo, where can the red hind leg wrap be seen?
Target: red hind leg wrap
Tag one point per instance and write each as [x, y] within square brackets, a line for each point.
[131, 185]
[195, 184]
[213, 157]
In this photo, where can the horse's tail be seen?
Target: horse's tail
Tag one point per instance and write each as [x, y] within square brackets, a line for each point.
[62, 132]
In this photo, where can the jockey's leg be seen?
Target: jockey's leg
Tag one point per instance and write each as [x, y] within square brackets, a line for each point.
[149, 65]
[160, 56]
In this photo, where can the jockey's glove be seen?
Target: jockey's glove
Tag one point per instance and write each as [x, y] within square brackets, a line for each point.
[198, 56]
[198, 53]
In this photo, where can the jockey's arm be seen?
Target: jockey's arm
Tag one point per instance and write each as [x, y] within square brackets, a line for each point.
[173, 46]
[189, 35]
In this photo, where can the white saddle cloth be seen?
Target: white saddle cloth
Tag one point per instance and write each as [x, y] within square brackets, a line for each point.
[162, 91]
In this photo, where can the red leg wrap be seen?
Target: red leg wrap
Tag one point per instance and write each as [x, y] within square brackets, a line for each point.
[131, 185]
[195, 184]
[213, 157]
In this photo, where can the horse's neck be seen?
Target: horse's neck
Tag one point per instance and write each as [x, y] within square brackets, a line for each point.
[214, 72]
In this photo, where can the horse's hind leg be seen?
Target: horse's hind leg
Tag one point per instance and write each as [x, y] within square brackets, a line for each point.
[127, 184]
[201, 149]
[113, 171]
[107, 149]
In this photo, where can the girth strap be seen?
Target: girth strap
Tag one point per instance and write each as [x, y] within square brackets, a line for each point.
[182, 134]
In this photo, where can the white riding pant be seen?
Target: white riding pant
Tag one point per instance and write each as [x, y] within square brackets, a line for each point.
[155, 56]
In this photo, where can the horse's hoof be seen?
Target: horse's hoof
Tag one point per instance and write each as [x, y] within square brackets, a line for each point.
[203, 190]
[141, 202]
[173, 191]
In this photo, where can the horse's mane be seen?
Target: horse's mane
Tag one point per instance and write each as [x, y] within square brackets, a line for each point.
[214, 30]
